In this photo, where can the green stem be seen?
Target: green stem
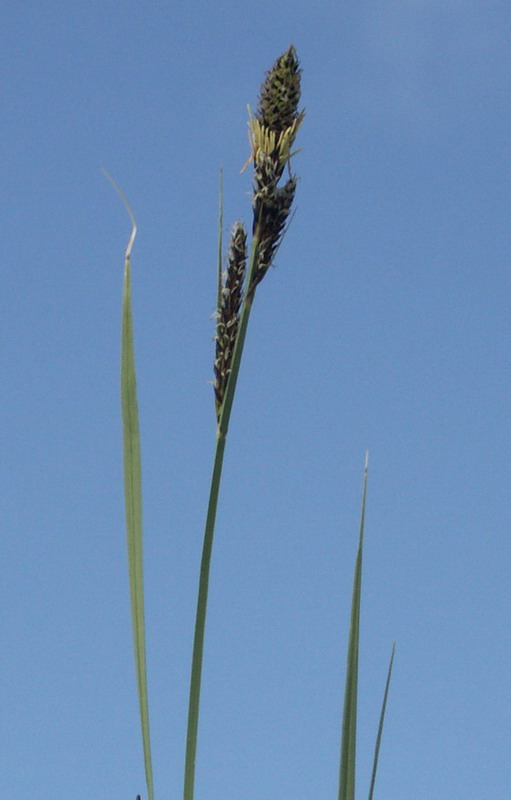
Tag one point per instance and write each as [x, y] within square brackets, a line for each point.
[200, 622]
[207, 547]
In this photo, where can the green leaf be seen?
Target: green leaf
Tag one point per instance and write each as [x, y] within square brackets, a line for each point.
[133, 495]
[380, 725]
[220, 241]
[349, 720]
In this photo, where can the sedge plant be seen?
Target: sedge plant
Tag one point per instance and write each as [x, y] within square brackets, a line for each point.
[273, 128]
[272, 132]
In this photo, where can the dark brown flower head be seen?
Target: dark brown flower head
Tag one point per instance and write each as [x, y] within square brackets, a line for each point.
[272, 132]
[272, 214]
[227, 316]
[280, 93]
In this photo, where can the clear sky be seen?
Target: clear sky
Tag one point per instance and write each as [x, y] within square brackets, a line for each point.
[385, 326]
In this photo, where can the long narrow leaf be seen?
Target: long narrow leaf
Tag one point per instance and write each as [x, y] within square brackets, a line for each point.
[220, 238]
[133, 495]
[380, 724]
[349, 721]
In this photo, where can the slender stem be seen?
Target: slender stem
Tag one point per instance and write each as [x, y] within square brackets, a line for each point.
[200, 622]
[207, 547]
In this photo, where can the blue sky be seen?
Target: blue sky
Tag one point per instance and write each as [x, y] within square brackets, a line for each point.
[384, 326]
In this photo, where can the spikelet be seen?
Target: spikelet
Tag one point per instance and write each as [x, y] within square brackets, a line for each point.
[231, 296]
[275, 216]
[280, 93]
[272, 132]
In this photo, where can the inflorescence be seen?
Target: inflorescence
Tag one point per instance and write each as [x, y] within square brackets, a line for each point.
[272, 132]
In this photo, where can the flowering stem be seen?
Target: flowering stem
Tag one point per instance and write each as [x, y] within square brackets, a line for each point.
[271, 132]
[202, 600]
[200, 621]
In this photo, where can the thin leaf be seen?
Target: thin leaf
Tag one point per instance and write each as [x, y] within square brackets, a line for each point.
[349, 721]
[133, 495]
[220, 239]
[380, 725]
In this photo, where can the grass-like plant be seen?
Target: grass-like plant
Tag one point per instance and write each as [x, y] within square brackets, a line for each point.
[349, 717]
[272, 132]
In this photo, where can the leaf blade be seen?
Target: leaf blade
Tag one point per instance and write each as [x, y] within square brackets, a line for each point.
[381, 722]
[132, 464]
[349, 720]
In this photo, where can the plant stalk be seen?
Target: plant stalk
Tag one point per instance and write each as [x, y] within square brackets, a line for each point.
[207, 547]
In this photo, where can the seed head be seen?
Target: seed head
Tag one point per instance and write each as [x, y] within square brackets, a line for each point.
[227, 315]
[272, 215]
[280, 93]
[272, 132]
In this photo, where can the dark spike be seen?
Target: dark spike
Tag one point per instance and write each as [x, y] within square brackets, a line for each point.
[273, 131]
[273, 218]
[231, 297]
